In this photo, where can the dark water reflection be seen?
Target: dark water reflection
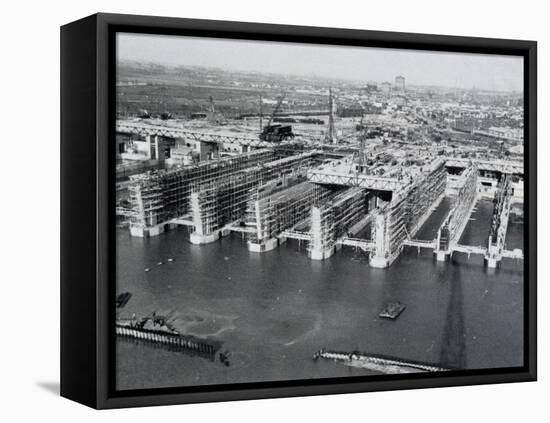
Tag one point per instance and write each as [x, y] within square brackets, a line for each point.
[273, 311]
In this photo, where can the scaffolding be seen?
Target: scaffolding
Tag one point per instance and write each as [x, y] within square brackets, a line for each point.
[146, 203]
[156, 197]
[280, 205]
[331, 220]
[216, 204]
[499, 222]
[409, 208]
[223, 201]
[502, 201]
[422, 198]
[452, 227]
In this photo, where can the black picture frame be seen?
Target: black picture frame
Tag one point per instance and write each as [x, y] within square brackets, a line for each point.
[87, 212]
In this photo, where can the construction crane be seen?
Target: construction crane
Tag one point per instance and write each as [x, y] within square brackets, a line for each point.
[144, 114]
[213, 116]
[360, 127]
[261, 113]
[362, 137]
[363, 145]
[164, 114]
[330, 136]
[276, 133]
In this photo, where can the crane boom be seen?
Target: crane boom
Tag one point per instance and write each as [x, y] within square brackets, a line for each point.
[276, 109]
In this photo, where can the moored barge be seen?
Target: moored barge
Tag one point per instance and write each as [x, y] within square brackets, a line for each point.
[382, 363]
[157, 331]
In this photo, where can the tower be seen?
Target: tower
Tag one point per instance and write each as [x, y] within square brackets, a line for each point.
[399, 83]
[330, 136]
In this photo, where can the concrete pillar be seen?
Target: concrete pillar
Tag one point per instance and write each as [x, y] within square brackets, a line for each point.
[319, 250]
[442, 255]
[379, 257]
[196, 213]
[442, 251]
[321, 253]
[491, 262]
[159, 147]
[266, 245]
[137, 231]
[197, 239]
[202, 233]
[494, 254]
[208, 150]
[155, 150]
[379, 262]
[148, 231]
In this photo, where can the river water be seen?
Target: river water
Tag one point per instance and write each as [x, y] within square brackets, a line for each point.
[272, 311]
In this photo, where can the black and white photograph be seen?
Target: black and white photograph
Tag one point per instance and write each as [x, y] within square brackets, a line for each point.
[289, 211]
[275, 211]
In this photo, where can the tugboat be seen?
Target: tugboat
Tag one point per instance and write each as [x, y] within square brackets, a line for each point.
[392, 310]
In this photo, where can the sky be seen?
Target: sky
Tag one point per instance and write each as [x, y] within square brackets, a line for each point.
[454, 70]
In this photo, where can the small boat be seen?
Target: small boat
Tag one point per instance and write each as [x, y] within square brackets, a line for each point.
[224, 358]
[160, 263]
[170, 259]
[122, 299]
[392, 310]
[147, 269]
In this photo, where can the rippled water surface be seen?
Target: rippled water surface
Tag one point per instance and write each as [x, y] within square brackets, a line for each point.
[272, 311]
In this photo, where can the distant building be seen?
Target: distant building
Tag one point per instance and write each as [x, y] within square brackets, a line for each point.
[399, 84]
[354, 110]
[511, 134]
[373, 108]
[385, 87]
[370, 88]
[466, 124]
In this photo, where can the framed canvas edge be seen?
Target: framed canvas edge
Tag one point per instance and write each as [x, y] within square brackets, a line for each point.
[78, 271]
[104, 368]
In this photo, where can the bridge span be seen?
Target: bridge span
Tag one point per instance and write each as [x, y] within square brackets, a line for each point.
[220, 138]
[502, 166]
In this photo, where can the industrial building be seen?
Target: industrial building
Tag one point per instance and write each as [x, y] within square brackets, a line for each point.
[325, 200]
[371, 189]
[399, 84]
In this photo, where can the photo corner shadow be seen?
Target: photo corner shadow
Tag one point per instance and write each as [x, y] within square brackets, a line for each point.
[51, 387]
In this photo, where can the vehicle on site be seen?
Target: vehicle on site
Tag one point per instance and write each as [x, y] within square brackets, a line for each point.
[166, 116]
[277, 132]
[144, 114]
